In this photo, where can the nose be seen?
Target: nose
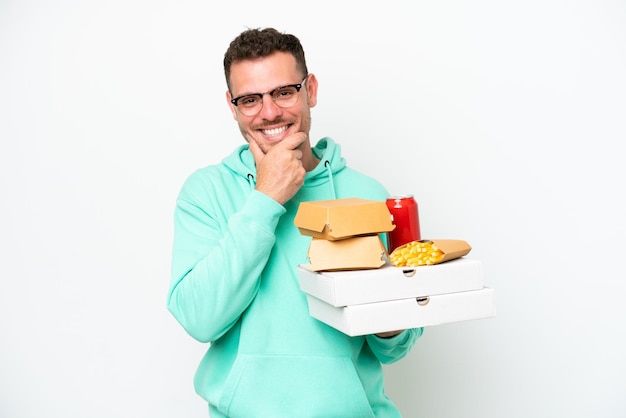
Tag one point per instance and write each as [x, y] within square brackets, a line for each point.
[269, 109]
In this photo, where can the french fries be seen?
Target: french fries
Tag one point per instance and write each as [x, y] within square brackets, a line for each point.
[416, 253]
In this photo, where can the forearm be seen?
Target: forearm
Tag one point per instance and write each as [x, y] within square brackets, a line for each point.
[216, 267]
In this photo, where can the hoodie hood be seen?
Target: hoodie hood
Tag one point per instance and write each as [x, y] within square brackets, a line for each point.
[241, 162]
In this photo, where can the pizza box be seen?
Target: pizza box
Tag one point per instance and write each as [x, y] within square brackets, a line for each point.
[372, 318]
[354, 287]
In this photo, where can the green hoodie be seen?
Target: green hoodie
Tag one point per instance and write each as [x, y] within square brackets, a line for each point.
[234, 284]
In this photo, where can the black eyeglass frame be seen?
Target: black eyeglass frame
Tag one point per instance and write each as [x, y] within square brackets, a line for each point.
[297, 86]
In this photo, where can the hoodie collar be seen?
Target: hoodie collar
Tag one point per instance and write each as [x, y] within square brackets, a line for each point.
[326, 150]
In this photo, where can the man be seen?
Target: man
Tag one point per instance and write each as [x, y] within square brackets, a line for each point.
[236, 250]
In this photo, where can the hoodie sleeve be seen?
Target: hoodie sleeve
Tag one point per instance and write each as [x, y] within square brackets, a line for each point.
[216, 268]
[390, 350]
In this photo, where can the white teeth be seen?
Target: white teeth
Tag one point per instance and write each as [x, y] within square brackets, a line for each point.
[276, 131]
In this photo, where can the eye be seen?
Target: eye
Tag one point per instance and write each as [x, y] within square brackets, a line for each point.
[248, 101]
[284, 93]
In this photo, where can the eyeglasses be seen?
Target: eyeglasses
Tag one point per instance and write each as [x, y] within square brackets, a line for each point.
[284, 96]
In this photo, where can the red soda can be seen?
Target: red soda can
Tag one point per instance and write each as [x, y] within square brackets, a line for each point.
[405, 215]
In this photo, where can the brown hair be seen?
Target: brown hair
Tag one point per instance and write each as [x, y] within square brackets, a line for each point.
[258, 43]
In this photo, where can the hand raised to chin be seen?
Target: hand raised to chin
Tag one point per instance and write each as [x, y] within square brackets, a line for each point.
[279, 172]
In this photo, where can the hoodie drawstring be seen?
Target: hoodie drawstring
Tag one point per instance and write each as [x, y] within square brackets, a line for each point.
[251, 180]
[330, 176]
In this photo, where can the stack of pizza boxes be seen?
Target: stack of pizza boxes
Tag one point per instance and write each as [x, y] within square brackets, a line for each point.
[351, 285]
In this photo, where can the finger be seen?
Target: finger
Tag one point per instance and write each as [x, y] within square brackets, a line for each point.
[293, 141]
[298, 154]
[256, 151]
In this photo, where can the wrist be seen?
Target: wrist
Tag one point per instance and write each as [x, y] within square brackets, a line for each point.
[389, 334]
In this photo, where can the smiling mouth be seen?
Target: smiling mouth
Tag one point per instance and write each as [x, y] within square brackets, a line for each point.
[275, 131]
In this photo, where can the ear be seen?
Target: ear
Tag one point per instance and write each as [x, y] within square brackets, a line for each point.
[231, 105]
[311, 88]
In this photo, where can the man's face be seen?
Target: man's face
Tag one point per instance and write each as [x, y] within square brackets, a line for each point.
[273, 123]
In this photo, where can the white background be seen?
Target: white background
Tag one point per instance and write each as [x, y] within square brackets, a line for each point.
[505, 119]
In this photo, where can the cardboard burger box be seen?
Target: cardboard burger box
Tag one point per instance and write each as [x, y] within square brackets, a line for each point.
[343, 218]
[362, 252]
[345, 233]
